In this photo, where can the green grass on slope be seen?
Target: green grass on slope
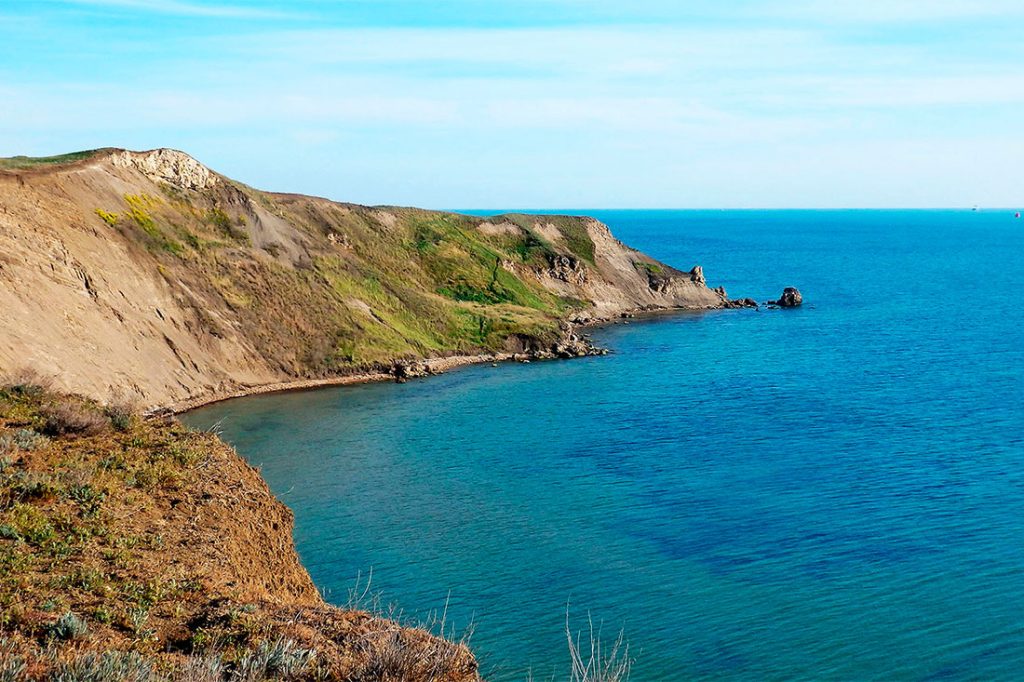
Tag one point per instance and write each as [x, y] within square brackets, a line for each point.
[572, 229]
[30, 162]
[465, 266]
[373, 285]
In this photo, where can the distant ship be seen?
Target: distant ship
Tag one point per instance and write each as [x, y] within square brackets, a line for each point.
[1017, 214]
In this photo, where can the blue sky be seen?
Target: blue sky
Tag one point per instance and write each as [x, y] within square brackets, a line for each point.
[539, 103]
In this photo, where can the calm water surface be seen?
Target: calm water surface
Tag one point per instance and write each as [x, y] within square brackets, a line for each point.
[835, 492]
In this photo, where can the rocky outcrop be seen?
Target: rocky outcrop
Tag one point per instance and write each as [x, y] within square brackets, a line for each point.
[791, 298]
[403, 370]
[177, 169]
[567, 269]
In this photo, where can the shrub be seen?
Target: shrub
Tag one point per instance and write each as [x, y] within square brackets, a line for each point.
[71, 418]
[222, 221]
[68, 626]
[22, 439]
[30, 524]
[137, 619]
[120, 415]
[87, 496]
[30, 485]
[201, 669]
[274, 660]
[12, 664]
[27, 439]
[27, 383]
[107, 667]
[109, 218]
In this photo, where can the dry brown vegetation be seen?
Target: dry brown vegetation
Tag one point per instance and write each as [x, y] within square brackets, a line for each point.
[141, 550]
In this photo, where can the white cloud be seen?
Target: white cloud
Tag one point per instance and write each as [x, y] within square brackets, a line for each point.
[178, 7]
[612, 114]
[837, 12]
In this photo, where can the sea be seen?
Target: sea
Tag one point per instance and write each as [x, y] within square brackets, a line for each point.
[834, 492]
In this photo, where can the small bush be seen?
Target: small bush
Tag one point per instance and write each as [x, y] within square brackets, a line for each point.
[27, 439]
[88, 497]
[71, 418]
[27, 383]
[120, 415]
[30, 524]
[137, 619]
[69, 626]
[107, 667]
[109, 218]
[201, 669]
[30, 485]
[12, 664]
[22, 439]
[273, 660]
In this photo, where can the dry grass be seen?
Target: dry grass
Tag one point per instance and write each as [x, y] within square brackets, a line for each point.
[140, 550]
[72, 418]
[404, 650]
[592, 659]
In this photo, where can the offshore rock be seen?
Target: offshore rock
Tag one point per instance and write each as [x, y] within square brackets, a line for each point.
[791, 298]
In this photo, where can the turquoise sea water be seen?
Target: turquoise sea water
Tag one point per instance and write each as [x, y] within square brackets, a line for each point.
[834, 492]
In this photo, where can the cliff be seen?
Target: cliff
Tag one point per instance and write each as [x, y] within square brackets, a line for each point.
[148, 276]
[141, 550]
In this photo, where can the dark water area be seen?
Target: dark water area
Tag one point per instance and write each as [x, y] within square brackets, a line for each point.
[832, 492]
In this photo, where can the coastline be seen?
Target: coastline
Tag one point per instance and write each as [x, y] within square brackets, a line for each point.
[432, 365]
[436, 365]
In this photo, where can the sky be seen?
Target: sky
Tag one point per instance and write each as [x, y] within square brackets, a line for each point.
[539, 103]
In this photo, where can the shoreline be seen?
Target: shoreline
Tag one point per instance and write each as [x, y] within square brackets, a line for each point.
[434, 365]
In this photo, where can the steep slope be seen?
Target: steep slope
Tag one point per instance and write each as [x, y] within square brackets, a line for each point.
[148, 275]
[141, 550]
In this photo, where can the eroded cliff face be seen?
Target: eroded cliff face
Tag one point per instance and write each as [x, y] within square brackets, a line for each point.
[147, 275]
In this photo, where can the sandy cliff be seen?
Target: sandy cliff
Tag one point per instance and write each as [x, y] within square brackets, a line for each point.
[147, 275]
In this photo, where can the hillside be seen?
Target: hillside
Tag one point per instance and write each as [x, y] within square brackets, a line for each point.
[147, 276]
[140, 550]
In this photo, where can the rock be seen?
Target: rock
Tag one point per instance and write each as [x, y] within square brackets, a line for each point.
[741, 303]
[697, 276]
[404, 370]
[170, 166]
[572, 345]
[566, 269]
[791, 298]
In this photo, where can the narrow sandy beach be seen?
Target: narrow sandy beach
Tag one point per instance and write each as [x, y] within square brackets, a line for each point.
[434, 365]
